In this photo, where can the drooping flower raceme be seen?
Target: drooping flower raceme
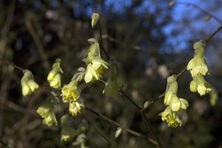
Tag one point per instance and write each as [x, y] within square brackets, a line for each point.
[170, 117]
[174, 103]
[45, 111]
[95, 64]
[54, 76]
[197, 65]
[114, 82]
[95, 70]
[171, 98]
[28, 83]
[198, 69]
[70, 92]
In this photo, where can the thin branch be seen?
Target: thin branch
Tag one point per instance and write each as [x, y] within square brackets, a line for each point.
[38, 43]
[127, 96]
[124, 128]
[3, 143]
[213, 34]
[7, 62]
[100, 133]
[179, 74]
[8, 21]
[101, 41]
[131, 100]
[150, 128]
[197, 7]
[144, 117]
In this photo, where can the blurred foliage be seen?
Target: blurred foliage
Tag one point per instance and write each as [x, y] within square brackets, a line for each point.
[143, 36]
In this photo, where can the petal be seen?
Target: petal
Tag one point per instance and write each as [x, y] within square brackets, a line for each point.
[193, 86]
[190, 65]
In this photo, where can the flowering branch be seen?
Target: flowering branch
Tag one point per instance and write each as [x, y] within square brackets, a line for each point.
[127, 96]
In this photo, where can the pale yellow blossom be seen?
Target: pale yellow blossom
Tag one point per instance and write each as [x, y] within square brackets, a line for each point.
[70, 92]
[28, 83]
[200, 85]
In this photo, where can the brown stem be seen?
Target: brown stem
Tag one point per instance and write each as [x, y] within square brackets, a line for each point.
[100, 133]
[124, 128]
[150, 128]
[144, 117]
[17, 67]
[179, 74]
[131, 100]
[101, 41]
[213, 34]
[38, 43]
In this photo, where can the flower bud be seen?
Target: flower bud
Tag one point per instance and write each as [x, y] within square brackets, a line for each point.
[95, 18]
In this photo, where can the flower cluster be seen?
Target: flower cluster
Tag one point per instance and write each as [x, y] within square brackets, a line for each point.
[45, 111]
[114, 82]
[198, 68]
[95, 64]
[54, 76]
[71, 94]
[174, 103]
[28, 83]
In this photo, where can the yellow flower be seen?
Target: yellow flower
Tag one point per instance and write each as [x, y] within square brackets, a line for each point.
[172, 84]
[91, 74]
[50, 119]
[75, 108]
[95, 70]
[171, 90]
[70, 92]
[95, 18]
[28, 83]
[174, 102]
[99, 64]
[183, 103]
[170, 117]
[200, 85]
[93, 51]
[67, 133]
[44, 109]
[54, 76]
[197, 65]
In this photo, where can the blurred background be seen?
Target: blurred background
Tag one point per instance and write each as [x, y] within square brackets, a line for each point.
[150, 41]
